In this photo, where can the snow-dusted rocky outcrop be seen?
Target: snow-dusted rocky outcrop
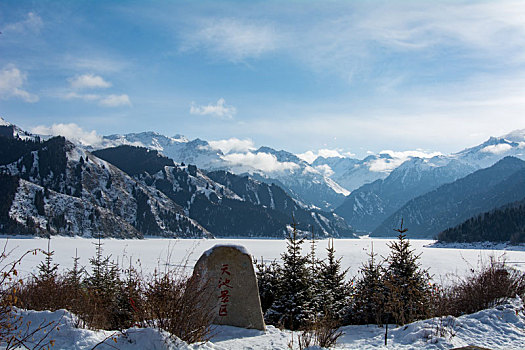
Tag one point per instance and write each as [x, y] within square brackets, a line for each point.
[60, 188]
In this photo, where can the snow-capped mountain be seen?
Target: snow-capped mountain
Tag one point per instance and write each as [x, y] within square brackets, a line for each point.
[366, 207]
[178, 148]
[453, 203]
[351, 173]
[494, 149]
[301, 180]
[12, 131]
[224, 203]
[55, 187]
[375, 186]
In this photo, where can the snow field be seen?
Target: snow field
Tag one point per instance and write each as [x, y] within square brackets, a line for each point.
[501, 327]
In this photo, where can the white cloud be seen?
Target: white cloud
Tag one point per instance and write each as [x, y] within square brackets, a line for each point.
[233, 39]
[325, 169]
[11, 83]
[311, 156]
[70, 131]
[91, 81]
[115, 101]
[232, 145]
[102, 100]
[220, 110]
[396, 159]
[345, 37]
[96, 63]
[259, 161]
[32, 23]
[85, 97]
[497, 149]
[88, 81]
[348, 41]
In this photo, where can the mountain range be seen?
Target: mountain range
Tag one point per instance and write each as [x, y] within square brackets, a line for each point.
[369, 207]
[57, 187]
[453, 203]
[209, 184]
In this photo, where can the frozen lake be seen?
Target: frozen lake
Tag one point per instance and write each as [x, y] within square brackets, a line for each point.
[153, 252]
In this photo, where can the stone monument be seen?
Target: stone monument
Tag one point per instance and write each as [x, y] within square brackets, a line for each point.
[232, 286]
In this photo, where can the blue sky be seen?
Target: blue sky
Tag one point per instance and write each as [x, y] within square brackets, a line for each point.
[353, 76]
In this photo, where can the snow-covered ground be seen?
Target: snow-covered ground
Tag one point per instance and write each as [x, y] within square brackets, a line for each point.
[501, 327]
[151, 252]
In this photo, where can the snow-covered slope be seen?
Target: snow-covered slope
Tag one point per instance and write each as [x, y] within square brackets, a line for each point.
[453, 203]
[178, 148]
[367, 207]
[12, 131]
[59, 188]
[224, 203]
[494, 149]
[303, 181]
[500, 327]
[348, 172]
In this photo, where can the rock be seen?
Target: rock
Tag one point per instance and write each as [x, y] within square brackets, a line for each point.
[232, 285]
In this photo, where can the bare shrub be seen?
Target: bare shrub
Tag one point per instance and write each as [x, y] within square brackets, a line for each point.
[179, 305]
[323, 332]
[15, 333]
[491, 285]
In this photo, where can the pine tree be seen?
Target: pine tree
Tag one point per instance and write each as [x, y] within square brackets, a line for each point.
[369, 293]
[317, 289]
[267, 281]
[291, 307]
[47, 269]
[105, 286]
[332, 285]
[39, 203]
[75, 275]
[408, 285]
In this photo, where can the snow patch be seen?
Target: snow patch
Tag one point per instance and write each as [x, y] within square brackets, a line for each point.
[240, 248]
[4, 122]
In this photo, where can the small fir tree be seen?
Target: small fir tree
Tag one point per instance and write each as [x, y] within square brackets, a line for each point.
[47, 270]
[332, 285]
[408, 285]
[291, 307]
[105, 286]
[267, 281]
[316, 285]
[73, 280]
[369, 293]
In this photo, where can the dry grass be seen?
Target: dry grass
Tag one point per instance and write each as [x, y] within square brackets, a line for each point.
[170, 300]
[490, 285]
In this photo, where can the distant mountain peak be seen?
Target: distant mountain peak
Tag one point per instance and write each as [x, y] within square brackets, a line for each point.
[4, 122]
[515, 136]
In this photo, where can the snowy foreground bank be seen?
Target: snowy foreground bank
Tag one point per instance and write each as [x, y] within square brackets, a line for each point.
[502, 327]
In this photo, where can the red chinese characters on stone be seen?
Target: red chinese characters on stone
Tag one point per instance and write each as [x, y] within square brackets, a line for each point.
[223, 286]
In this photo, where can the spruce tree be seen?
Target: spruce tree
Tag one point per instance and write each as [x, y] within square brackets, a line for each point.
[408, 285]
[105, 286]
[75, 275]
[369, 293]
[74, 279]
[317, 289]
[267, 281]
[47, 270]
[291, 307]
[332, 285]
